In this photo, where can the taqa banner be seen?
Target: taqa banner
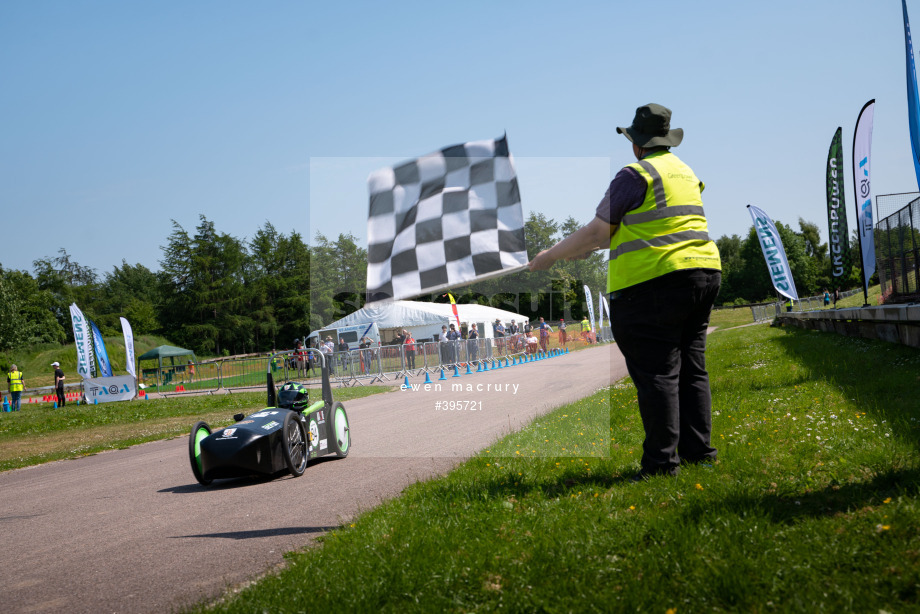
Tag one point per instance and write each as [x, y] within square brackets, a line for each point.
[82, 335]
[106, 389]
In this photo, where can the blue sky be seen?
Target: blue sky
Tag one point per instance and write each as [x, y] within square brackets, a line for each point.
[119, 117]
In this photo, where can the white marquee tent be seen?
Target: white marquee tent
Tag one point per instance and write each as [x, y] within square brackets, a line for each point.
[424, 320]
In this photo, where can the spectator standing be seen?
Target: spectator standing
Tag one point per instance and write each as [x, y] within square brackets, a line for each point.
[836, 296]
[59, 384]
[328, 351]
[343, 354]
[545, 330]
[409, 346]
[453, 337]
[499, 334]
[562, 339]
[827, 298]
[300, 358]
[513, 331]
[364, 347]
[473, 343]
[444, 346]
[586, 330]
[15, 385]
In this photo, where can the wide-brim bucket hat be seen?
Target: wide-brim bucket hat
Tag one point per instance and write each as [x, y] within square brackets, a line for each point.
[652, 128]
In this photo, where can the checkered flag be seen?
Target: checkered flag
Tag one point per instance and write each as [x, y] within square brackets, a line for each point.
[446, 219]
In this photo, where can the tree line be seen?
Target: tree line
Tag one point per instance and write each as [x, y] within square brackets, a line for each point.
[219, 295]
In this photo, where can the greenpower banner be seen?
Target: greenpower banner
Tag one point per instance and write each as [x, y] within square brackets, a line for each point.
[837, 230]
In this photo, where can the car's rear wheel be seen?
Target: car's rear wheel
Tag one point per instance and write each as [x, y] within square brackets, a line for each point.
[341, 434]
[199, 432]
[295, 444]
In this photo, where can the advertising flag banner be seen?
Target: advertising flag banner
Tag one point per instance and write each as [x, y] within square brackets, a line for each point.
[447, 219]
[590, 308]
[862, 185]
[105, 367]
[602, 301]
[837, 230]
[107, 389]
[86, 366]
[773, 253]
[453, 306]
[913, 100]
[129, 346]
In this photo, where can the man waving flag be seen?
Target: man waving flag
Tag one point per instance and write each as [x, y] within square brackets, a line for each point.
[444, 220]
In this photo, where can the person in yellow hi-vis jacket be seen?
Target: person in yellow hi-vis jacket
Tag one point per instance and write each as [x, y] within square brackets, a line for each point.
[663, 277]
[16, 386]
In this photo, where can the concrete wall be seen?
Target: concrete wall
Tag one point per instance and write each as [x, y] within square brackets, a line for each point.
[892, 323]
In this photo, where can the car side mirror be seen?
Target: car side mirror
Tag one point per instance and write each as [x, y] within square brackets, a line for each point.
[238, 417]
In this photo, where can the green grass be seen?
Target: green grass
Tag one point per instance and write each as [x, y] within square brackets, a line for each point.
[812, 506]
[39, 434]
[727, 317]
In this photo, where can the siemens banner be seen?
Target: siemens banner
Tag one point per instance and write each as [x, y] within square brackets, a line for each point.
[837, 230]
[86, 366]
[773, 253]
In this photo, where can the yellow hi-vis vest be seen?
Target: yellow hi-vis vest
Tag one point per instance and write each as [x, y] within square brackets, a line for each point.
[15, 381]
[667, 232]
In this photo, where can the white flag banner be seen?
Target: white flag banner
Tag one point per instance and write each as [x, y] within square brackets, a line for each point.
[590, 307]
[443, 220]
[773, 253]
[107, 389]
[82, 336]
[862, 176]
[129, 346]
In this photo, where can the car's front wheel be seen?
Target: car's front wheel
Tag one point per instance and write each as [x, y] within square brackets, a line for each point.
[199, 432]
[341, 434]
[295, 445]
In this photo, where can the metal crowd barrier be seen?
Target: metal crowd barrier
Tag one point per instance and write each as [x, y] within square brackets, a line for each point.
[385, 363]
[809, 303]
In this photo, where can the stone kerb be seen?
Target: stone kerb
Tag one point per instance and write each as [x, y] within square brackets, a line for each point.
[892, 323]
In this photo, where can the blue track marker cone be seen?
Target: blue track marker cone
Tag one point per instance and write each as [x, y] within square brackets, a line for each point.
[427, 378]
[407, 382]
[479, 368]
[468, 370]
[456, 371]
[442, 375]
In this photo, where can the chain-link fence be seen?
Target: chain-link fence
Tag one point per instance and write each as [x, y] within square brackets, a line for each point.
[897, 248]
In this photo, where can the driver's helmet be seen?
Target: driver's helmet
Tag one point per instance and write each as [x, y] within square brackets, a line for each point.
[293, 396]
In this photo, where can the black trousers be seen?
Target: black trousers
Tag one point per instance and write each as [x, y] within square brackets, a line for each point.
[660, 327]
[61, 398]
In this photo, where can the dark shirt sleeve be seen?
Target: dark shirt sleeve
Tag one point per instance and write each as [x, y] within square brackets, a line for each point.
[626, 192]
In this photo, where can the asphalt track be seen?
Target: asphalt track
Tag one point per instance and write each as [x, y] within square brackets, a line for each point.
[132, 531]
